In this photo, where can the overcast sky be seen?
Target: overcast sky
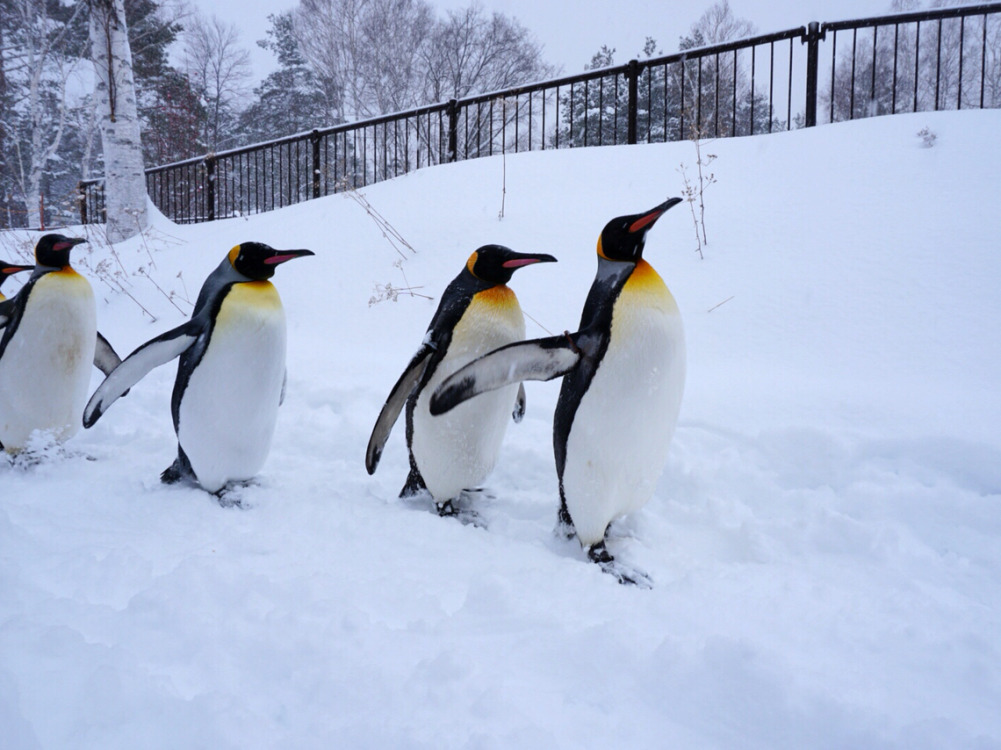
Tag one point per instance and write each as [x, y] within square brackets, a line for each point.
[570, 32]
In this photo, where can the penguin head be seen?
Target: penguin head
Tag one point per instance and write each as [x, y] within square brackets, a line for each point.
[257, 261]
[53, 250]
[495, 264]
[9, 269]
[623, 238]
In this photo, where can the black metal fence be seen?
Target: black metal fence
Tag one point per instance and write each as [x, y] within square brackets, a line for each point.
[932, 60]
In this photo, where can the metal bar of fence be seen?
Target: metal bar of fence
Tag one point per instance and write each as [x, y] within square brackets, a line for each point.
[210, 187]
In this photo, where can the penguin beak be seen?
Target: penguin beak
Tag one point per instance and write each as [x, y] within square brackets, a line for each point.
[647, 220]
[527, 260]
[10, 270]
[281, 256]
[68, 242]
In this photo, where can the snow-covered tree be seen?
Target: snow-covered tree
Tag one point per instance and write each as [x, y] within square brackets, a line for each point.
[39, 45]
[289, 100]
[115, 95]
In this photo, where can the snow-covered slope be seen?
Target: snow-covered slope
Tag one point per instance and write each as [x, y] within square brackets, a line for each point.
[823, 542]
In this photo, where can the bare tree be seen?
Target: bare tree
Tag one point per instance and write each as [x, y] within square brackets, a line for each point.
[379, 56]
[328, 33]
[219, 70]
[115, 95]
[472, 53]
[394, 34]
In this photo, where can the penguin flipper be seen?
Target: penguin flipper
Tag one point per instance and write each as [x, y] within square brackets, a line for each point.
[133, 368]
[519, 404]
[538, 359]
[6, 308]
[394, 404]
[106, 358]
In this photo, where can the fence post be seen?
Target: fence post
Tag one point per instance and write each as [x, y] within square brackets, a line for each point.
[81, 197]
[632, 76]
[453, 129]
[314, 139]
[210, 187]
[812, 42]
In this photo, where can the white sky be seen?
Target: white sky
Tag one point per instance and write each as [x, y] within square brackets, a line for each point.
[571, 32]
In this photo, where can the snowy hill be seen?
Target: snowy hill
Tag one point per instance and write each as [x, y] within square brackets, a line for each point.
[824, 540]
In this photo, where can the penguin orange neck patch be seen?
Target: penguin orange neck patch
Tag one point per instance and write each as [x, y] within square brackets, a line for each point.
[497, 295]
[644, 277]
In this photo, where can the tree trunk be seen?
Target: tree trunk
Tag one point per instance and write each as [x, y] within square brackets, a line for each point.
[115, 93]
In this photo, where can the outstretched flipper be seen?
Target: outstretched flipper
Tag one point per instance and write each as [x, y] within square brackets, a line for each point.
[538, 359]
[153, 353]
[519, 405]
[394, 404]
[106, 358]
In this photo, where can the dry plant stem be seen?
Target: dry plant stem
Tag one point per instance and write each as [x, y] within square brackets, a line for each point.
[394, 238]
[721, 303]
[689, 193]
[702, 185]
[170, 297]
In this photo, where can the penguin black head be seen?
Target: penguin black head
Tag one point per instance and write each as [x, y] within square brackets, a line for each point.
[9, 269]
[53, 250]
[623, 238]
[495, 264]
[257, 261]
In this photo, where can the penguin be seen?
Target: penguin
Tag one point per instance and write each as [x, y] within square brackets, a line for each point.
[230, 377]
[7, 270]
[478, 312]
[623, 378]
[49, 340]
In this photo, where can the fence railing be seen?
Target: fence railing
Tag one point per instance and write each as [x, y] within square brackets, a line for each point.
[940, 59]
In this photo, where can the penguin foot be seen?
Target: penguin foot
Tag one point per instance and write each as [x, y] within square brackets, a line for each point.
[624, 574]
[460, 512]
[230, 497]
[41, 447]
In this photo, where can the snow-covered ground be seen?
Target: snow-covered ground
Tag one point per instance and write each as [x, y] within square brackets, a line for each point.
[824, 541]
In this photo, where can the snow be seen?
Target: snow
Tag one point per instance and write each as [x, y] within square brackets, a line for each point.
[823, 542]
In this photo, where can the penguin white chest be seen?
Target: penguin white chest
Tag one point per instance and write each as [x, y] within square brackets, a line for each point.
[45, 369]
[457, 450]
[622, 429]
[229, 408]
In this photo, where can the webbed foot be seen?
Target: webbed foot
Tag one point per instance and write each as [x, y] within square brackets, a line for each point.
[624, 574]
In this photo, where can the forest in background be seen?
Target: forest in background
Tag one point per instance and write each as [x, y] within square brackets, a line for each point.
[336, 61]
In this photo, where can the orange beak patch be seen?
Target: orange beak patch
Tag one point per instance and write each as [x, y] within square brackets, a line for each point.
[519, 262]
[644, 221]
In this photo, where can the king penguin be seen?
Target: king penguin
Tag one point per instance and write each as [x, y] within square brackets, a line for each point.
[49, 340]
[623, 377]
[231, 375]
[7, 270]
[478, 312]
